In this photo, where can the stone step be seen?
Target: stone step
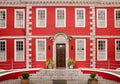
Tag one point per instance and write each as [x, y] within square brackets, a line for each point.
[58, 72]
[37, 81]
[51, 74]
[71, 76]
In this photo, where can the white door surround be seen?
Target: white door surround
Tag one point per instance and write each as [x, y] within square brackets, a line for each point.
[60, 38]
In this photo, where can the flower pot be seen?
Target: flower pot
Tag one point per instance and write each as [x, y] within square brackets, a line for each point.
[93, 82]
[50, 66]
[24, 81]
[71, 67]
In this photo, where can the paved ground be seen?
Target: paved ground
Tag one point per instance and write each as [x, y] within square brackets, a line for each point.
[59, 82]
[62, 81]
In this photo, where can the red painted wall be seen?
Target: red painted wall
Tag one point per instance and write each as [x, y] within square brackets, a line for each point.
[110, 62]
[51, 30]
[49, 52]
[10, 63]
[10, 30]
[72, 53]
[41, 64]
[110, 30]
[70, 22]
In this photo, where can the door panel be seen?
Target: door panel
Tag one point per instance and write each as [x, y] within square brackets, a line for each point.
[60, 55]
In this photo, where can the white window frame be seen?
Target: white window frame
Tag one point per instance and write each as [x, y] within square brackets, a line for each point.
[15, 57]
[15, 23]
[5, 51]
[116, 50]
[37, 49]
[5, 18]
[115, 18]
[64, 18]
[83, 16]
[105, 49]
[84, 50]
[37, 9]
[98, 26]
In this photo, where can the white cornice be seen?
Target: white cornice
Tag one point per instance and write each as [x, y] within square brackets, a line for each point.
[107, 36]
[10, 37]
[73, 36]
[60, 2]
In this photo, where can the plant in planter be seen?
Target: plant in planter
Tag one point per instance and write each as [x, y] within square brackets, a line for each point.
[25, 78]
[92, 79]
[50, 64]
[71, 63]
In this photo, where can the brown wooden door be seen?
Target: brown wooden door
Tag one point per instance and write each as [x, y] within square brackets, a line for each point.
[60, 55]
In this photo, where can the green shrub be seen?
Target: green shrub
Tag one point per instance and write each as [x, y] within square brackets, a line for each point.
[93, 75]
[50, 62]
[25, 75]
[71, 62]
[92, 78]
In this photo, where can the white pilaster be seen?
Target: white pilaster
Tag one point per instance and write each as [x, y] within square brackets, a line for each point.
[28, 37]
[92, 38]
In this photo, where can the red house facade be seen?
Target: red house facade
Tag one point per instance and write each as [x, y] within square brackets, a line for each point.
[33, 31]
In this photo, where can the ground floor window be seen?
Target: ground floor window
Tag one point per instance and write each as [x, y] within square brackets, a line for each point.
[117, 49]
[19, 50]
[80, 49]
[2, 50]
[40, 50]
[102, 49]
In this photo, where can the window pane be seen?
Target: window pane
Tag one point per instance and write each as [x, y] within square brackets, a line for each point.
[2, 51]
[80, 49]
[117, 18]
[102, 52]
[80, 17]
[41, 52]
[19, 51]
[101, 20]
[2, 18]
[118, 50]
[41, 18]
[19, 18]
[60, 17]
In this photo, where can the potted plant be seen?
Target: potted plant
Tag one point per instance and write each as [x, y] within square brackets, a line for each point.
[50, 64]
[25, 78]
[92, 79]
[71, 63]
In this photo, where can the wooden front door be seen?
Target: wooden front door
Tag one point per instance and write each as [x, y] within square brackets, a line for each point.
[60, 55]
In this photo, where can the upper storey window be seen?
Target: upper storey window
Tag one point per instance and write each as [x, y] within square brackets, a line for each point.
[101, 18]
[117, 18]
[19, 18]
[41, 17]
[2, 18]
[79, 17]
[60, 17]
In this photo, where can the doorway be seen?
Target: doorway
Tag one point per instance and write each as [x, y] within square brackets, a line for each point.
[60, 55]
